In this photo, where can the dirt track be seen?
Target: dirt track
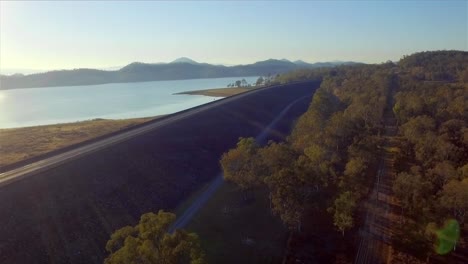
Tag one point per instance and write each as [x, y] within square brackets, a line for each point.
[375, 235]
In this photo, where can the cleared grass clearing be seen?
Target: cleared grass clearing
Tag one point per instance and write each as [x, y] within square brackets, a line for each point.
[233, 230]
[17, 144]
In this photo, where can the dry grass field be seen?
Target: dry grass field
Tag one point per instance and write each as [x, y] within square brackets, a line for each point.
[219, 92]
[17, 144]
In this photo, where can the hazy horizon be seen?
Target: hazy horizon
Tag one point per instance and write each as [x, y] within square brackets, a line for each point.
[11, 71]
[57, 35]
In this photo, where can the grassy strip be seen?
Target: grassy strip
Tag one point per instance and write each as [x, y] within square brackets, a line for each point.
[17, 144]
[185, 204]
[233, 230]
[219, 92]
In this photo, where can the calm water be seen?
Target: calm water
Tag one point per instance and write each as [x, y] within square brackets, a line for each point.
[41, 106]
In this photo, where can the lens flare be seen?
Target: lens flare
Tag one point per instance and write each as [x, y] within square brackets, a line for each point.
[446, 237]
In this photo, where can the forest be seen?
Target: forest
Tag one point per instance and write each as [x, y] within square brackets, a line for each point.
[329, 162]
[325, 165]
[326, 168]
[431, 107]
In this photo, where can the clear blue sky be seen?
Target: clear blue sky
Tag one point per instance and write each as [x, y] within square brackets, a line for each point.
[62, 35]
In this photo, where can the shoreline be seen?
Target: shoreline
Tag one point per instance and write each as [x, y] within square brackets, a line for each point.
[220, 92]
[82, 122]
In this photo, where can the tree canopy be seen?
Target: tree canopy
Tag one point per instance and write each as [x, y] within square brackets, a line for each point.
[149, 242]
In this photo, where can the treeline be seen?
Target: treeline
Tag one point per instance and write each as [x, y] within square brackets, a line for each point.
[239, 83]
[436, 65]
[432, 162]
[262, 80]
[303, 75]
[329, 152]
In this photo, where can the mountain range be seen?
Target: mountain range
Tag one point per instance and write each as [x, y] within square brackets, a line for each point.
[179, 69]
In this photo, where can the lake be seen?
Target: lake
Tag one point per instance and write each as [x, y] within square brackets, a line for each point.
[51, 105]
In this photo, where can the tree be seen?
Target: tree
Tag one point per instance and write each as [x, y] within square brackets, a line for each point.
[463, 172]
[259, 81]
[276, 156]
[238, 83]
[412, 190]
[354, 177]
[148, 242]
[241, 164]
[442, 173]
[314, 175]
[291, 179]
[244, 83]
[463, 76]
[343, 210]
[288, 197]
[455, 198]
[365, 148]
[417, 127]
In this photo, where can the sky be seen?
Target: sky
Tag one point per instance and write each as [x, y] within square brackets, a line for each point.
[104, 34]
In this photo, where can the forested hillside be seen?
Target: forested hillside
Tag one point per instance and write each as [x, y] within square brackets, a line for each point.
[329, 162]
[431, 107]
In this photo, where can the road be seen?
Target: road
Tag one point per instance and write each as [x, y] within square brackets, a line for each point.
[64, 208]
[375, 234]
[198, 203]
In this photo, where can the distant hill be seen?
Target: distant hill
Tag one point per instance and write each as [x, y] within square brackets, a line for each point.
[301, 62]
[179, 69]
[184, 60]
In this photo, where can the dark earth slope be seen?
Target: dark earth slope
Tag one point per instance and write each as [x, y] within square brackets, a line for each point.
[66, 214]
